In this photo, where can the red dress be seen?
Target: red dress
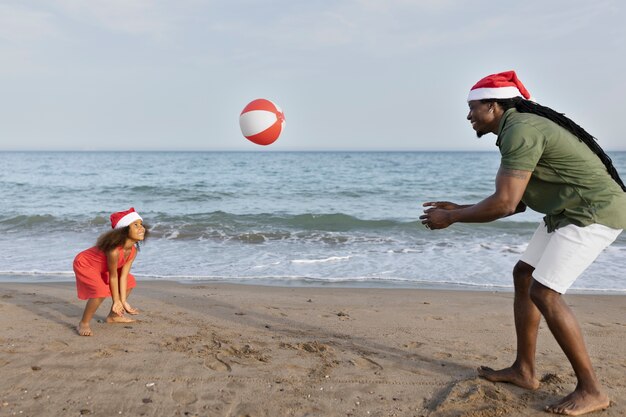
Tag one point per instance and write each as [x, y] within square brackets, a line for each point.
[92, 272]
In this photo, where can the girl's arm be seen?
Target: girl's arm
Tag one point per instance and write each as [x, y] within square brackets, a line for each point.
[112, 259]
[124, 278]
[124, 285]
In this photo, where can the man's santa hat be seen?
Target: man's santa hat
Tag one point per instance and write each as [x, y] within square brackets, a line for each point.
[124, 218]
[495, 86]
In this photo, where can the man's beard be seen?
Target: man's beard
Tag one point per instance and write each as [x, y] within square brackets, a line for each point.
[480, 134]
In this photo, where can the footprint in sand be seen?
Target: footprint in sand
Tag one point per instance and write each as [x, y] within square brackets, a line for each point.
[243, 410]
[366, 363]
[343, 315]
[481, 397]
[103, 353]
[56, 345]
[184, 397]
[551, 378]
[314, 347]
[216, 364]
[414, 345]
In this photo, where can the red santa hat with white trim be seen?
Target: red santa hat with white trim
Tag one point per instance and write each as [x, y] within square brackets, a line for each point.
[124, 218]
[495, 86]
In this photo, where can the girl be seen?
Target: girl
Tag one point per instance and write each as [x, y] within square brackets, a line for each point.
[104, 270]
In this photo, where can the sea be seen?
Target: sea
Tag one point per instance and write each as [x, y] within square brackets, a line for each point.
[347, 219]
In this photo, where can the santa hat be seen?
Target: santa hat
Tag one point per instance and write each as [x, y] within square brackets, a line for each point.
[501, 85]
[124, 218]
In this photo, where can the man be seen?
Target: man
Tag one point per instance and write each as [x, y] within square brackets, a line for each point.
[555, 167]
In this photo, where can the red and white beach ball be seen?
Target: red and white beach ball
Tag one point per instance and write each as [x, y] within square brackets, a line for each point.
[262, 121]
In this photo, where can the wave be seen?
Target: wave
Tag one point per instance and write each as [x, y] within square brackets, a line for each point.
[37, 272]
[298, 280]
[36, 276]
[329, 228]
[317, 221]
[9, 222]
[317, 261]
[26, 221]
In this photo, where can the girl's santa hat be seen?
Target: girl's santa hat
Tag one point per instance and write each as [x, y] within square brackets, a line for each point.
[124, 218]
[502, 85]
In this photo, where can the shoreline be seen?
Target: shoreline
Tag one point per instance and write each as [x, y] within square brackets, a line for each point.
[216, 349]
[54, 278]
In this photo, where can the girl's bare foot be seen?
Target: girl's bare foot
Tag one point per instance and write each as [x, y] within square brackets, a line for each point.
[511, 375]
[118, 319]
[579, 402]
[84, 329]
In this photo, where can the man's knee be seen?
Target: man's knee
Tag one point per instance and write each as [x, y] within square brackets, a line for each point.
[522, 276]
[541, 295]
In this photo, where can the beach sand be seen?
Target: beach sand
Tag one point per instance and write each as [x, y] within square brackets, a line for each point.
[239, 350]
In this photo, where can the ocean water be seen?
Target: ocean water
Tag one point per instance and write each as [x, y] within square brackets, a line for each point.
[301, 218]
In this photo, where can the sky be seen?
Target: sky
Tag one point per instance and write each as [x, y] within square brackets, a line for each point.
[350, 75]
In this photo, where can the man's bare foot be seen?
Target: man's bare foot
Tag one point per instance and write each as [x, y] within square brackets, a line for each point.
[580, 402]
[84, 329]
[510, 375]
[119, 319]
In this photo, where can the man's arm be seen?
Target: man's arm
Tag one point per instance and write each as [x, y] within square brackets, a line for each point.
[505, 201]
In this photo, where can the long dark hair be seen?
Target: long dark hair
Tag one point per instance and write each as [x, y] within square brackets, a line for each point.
[115, 238]
[527, 106]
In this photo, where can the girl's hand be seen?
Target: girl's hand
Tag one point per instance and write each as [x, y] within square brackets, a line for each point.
[129, 309]
[118, 308]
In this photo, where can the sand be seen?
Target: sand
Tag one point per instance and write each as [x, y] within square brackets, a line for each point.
[239, 350]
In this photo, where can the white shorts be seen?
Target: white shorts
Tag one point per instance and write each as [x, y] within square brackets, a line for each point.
[561, 256]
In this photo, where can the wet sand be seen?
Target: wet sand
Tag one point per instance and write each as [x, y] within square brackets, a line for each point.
[239, 350]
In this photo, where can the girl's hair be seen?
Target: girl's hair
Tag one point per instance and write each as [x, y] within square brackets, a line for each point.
[527, 106]
[116, 238]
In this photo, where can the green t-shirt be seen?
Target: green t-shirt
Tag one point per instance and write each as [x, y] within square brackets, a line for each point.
[569, 183]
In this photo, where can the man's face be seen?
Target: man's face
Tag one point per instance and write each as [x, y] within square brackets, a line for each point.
[481, 116]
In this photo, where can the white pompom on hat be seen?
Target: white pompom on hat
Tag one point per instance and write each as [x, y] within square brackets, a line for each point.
[502, 85]
[124, 218]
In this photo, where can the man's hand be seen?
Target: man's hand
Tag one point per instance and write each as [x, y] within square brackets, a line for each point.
[443, 205]
[436, 218]
[438, 215]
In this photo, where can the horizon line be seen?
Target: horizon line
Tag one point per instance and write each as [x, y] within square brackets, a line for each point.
[264, 150]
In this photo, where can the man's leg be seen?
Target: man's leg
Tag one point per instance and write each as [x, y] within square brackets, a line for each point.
[588, 395]
[527, 316]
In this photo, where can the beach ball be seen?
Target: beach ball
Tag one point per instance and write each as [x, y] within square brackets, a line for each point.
[261, 121]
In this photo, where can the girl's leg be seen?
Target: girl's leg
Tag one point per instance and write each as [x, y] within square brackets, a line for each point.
[92, 305]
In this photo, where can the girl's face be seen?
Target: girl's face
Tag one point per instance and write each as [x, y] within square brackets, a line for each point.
[136, 231]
